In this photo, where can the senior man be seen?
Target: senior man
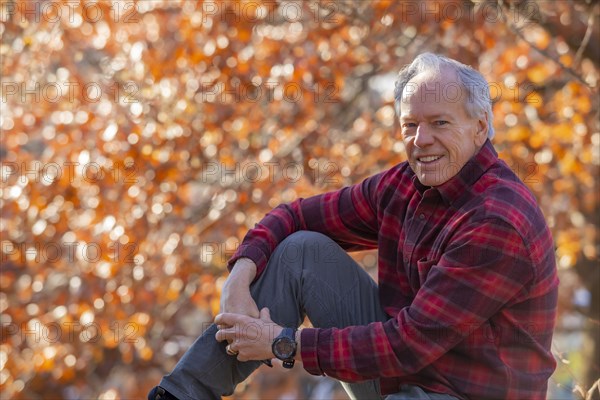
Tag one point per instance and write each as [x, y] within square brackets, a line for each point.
[466, 296]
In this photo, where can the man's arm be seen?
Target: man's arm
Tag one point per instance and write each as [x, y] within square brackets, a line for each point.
[235, 296]
[348, 216]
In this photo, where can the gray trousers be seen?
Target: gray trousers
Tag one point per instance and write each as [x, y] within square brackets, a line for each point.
[307, 274]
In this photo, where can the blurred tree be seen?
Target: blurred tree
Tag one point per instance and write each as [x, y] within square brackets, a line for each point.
[140, 140]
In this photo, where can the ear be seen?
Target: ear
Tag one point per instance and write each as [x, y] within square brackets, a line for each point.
[482, 130]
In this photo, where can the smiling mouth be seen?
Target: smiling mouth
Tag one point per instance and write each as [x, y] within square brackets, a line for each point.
[428, 159]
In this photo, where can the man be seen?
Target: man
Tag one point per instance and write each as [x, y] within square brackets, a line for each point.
[466, 296]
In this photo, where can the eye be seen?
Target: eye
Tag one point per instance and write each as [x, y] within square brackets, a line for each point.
[440, 122]
[408, 125]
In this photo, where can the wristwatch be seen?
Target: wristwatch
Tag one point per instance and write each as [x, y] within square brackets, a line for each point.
[284, 347]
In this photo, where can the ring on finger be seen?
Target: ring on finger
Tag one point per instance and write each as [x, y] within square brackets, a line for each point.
[230, 351]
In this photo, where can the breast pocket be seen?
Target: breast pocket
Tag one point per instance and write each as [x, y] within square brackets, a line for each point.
[424, 266]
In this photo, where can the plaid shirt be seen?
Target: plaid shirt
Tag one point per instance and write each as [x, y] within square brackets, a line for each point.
[466, 274]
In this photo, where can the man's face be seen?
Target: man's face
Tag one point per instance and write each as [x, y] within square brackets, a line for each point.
[438, 134]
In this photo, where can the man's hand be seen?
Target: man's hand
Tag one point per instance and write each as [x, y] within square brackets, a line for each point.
[235, 296]
[251, 338]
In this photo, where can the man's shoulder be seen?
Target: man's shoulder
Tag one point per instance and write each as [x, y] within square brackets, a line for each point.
[506, 197]
[504, 185]
[509, 199]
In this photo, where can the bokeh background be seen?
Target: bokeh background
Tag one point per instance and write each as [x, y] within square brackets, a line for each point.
[142, 139]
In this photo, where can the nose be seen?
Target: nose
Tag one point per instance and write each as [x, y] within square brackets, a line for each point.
[423, 137]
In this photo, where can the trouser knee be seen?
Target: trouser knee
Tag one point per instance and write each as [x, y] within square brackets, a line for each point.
[312, 249]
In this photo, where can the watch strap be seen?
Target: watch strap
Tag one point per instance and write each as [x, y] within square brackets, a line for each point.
[289, 333]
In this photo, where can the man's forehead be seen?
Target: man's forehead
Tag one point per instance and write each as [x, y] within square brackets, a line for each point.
[430, 80]
[433, 86]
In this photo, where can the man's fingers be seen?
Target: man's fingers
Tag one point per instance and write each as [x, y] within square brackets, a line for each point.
[226, 325]
[219, 319]
[225, 334]
[228, 319]
[229, 334]
[265, 314]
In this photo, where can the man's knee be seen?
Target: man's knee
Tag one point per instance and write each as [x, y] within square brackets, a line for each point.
[303, 237]
[309, 247]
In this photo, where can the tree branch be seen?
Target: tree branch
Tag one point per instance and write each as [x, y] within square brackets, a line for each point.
[543, 52]
[585, 41]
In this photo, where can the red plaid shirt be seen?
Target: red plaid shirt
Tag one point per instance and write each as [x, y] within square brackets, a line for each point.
[467, 276]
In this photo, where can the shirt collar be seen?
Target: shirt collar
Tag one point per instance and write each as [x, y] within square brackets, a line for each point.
[459, 184]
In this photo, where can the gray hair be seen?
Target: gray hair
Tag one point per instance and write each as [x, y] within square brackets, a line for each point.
[478, 101]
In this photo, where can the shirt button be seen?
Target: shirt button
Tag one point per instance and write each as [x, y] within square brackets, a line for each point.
[422, 216]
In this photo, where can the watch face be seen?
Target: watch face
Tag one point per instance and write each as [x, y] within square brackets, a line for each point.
[284, 348]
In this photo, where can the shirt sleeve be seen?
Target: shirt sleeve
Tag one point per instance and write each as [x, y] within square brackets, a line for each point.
[485, 266]
[348, 216]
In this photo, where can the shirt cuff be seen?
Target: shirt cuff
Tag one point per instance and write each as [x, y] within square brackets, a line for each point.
[308, 350]
[253, 253]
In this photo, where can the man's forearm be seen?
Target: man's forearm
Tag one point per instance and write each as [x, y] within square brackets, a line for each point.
[243, 271]
[235, 296]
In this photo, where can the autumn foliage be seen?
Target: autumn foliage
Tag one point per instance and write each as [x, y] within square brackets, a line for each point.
[142, 139]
